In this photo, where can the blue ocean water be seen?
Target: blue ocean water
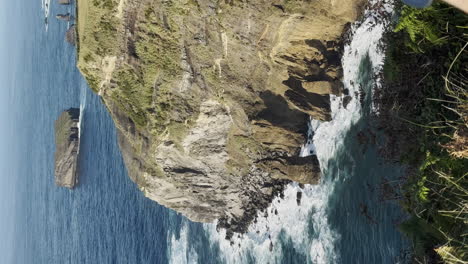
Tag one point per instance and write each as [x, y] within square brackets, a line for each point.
[106, 219]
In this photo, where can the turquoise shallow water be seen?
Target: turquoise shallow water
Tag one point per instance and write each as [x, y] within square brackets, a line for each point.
[107, 220]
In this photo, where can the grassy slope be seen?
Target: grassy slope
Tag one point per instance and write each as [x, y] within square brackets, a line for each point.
[425, 114]
[148, 56]
[97, 32]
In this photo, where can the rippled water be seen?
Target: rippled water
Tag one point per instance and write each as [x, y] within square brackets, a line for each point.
[105, 219]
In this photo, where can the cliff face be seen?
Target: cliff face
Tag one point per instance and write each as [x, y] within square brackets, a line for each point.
[211, 98]
[67, 147]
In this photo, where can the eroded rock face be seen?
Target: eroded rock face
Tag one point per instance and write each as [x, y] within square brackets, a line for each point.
[67, 147]
[221, 133]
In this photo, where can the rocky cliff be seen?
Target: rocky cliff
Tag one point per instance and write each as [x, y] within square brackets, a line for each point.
[67, 147]
[211, 98]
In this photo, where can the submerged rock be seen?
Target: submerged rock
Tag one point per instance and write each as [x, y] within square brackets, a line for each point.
[64, 17]
[67, 148]
[211, 99]
[70, 35]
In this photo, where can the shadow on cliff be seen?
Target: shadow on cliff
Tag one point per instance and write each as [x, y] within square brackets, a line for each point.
[278, 113]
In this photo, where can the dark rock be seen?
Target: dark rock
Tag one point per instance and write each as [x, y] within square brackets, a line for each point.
[346, 100]
[298, 198]
[70, 35]
[67, 147]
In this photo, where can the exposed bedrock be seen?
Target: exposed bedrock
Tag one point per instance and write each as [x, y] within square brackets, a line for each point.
[225, 90]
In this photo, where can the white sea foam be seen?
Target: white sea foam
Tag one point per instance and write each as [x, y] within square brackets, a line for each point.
[45, 5]
[83, 91]
[179, 250]
[292, 220]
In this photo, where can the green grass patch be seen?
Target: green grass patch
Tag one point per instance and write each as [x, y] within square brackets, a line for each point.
[97, 30]
[425, 72]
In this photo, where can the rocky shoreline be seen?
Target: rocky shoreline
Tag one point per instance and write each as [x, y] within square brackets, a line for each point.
[211, 121]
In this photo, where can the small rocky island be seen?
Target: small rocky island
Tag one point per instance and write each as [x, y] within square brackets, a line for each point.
[67, 147]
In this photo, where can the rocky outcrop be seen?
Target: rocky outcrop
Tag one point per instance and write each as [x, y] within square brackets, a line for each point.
[211, 98]
[70, 35]
[67, 148]
[64, 17]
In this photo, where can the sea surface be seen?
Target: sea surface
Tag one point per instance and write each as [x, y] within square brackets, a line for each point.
[106, 219]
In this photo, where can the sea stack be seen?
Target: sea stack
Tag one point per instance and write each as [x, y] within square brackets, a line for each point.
[67, 148]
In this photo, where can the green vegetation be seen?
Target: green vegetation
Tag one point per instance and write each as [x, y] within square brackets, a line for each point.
[62, 131]
[97, 32]
[156, 48]
[129, 98]
[127, 61]
[427, 105]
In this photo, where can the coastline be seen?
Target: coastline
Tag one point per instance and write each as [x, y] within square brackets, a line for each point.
[390, 156]
[137, 87]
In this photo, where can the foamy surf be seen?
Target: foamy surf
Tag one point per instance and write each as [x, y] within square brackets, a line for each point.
[83, 90]
[45, 5]
[286, 220]
[181, 253]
